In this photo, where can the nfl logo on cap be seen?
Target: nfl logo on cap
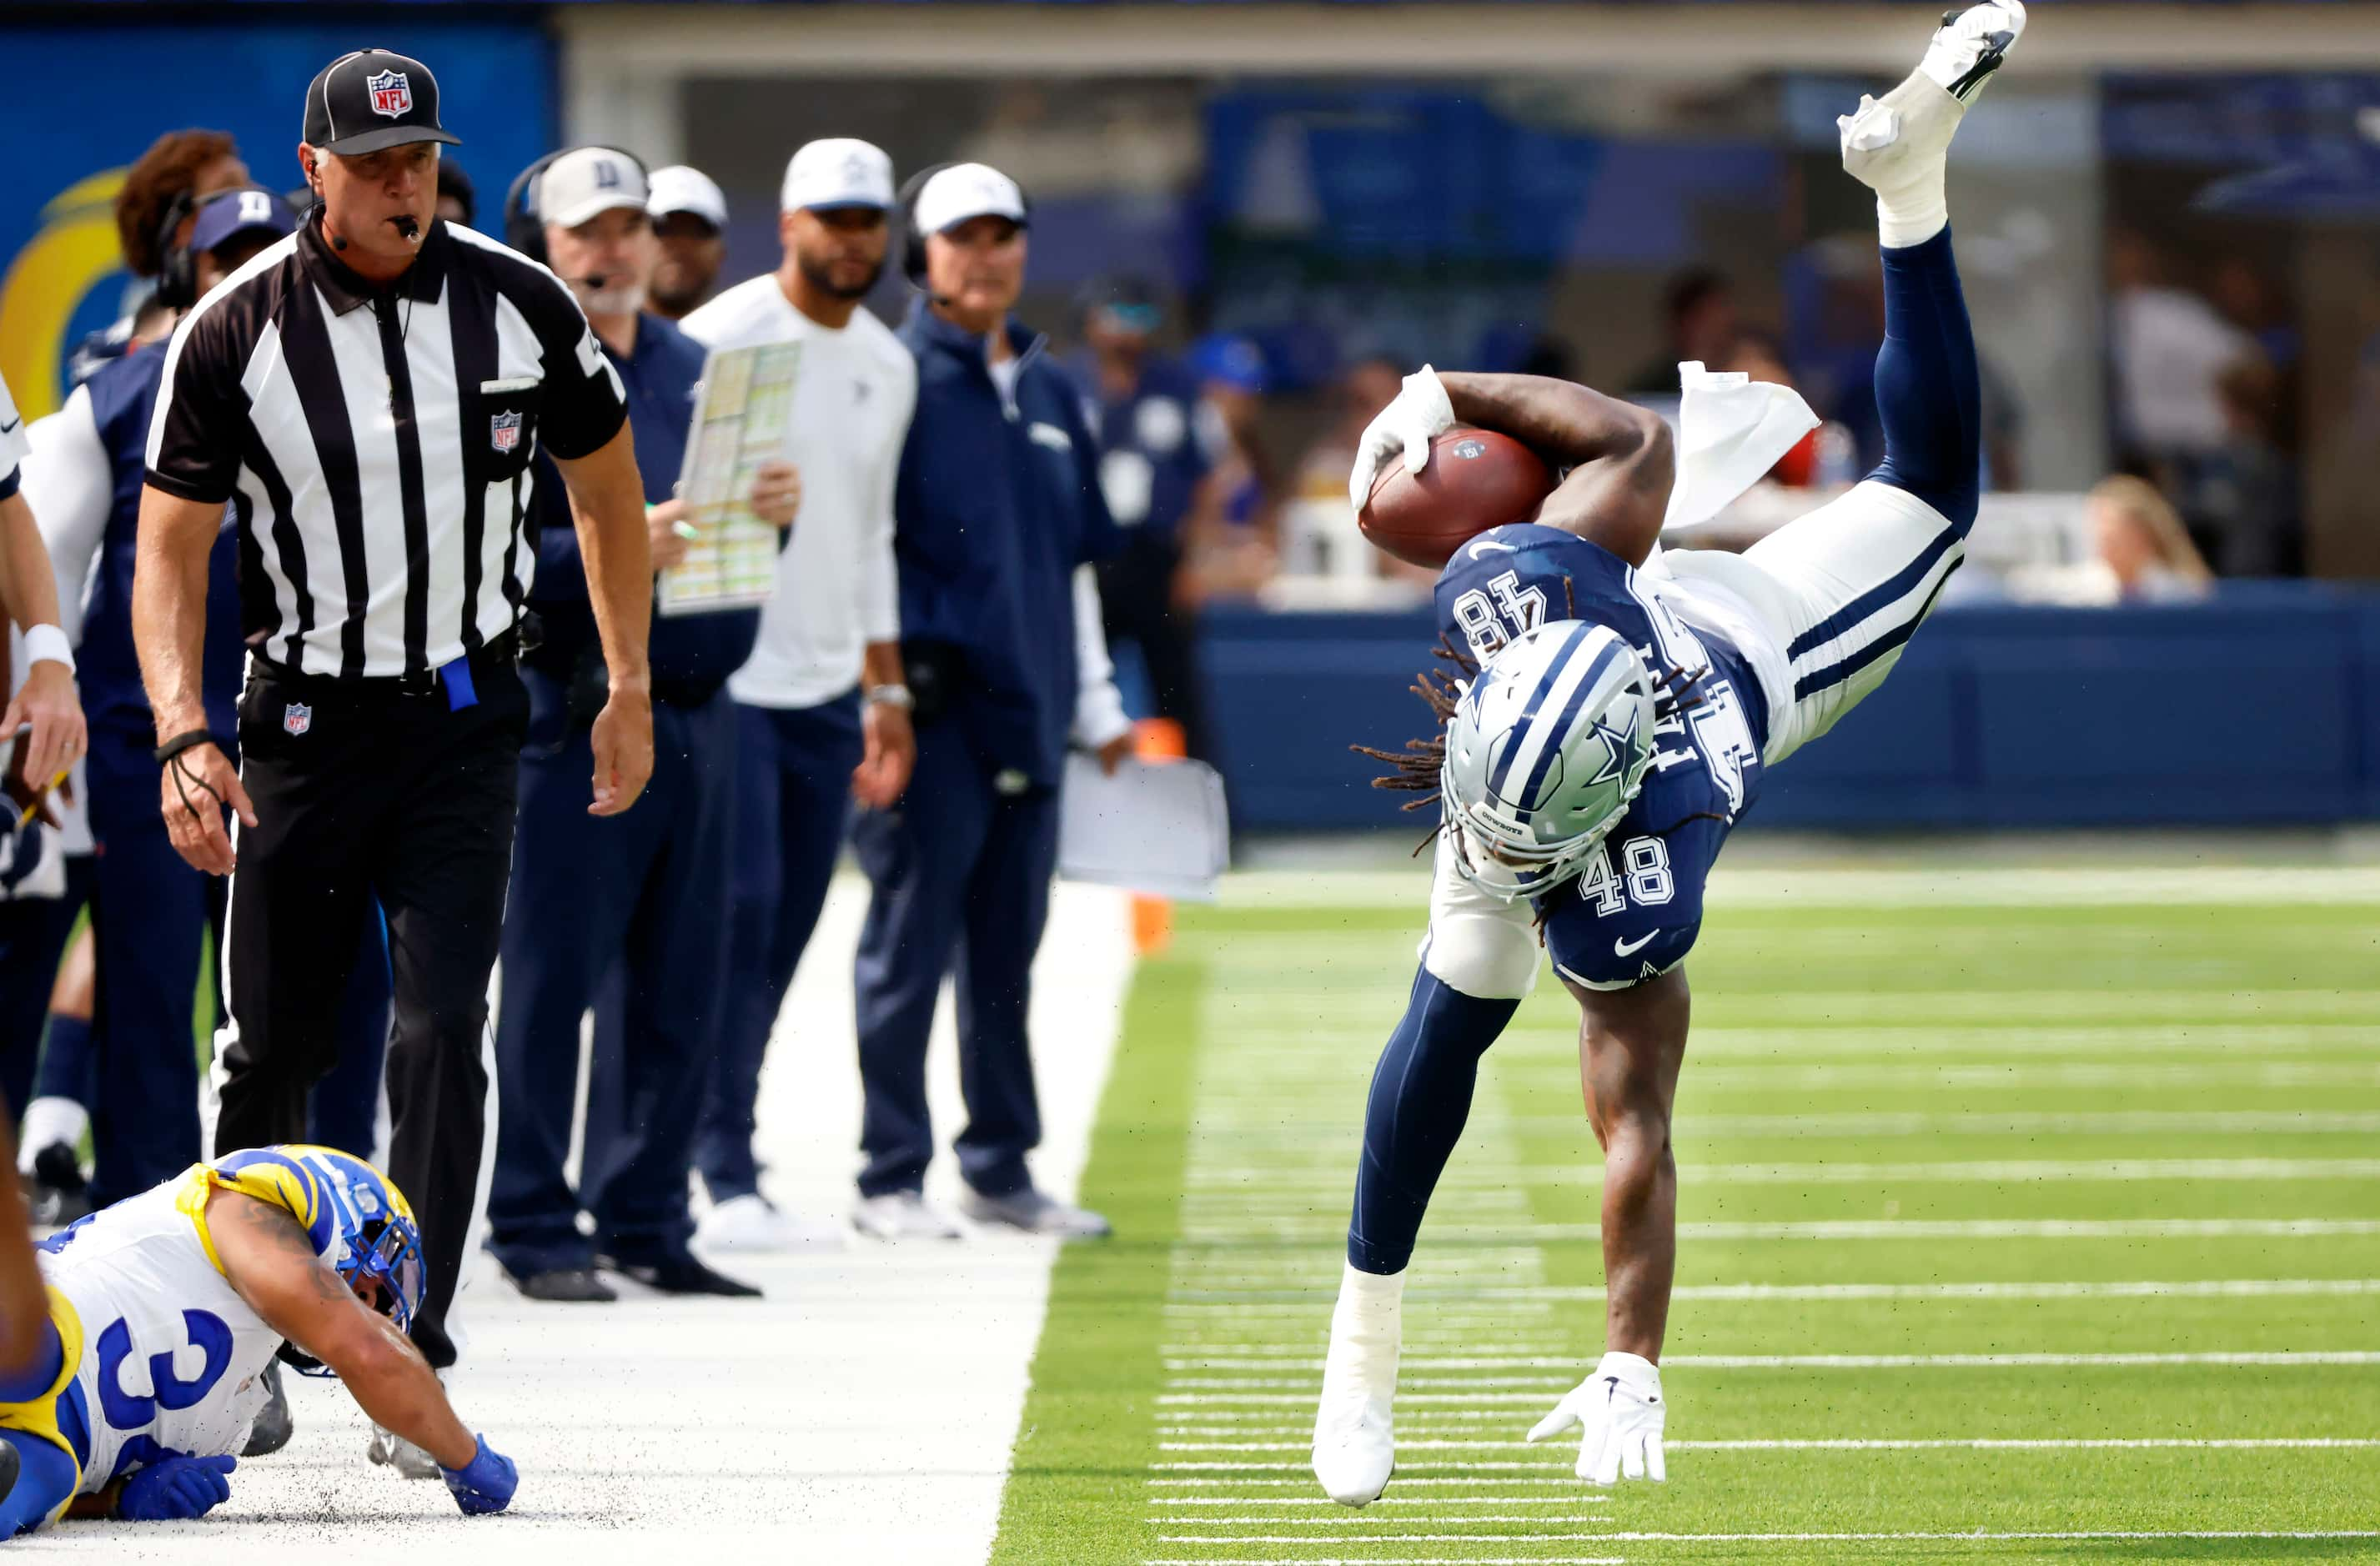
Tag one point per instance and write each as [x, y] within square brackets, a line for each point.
[391, 94]
[503, 430]
[296, 718]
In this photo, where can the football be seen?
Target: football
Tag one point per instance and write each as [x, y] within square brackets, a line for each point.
[1474, 480]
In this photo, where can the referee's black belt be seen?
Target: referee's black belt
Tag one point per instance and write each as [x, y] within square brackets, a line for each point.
[501, 654]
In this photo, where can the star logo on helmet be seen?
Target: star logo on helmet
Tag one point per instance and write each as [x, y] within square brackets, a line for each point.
[1618, 744]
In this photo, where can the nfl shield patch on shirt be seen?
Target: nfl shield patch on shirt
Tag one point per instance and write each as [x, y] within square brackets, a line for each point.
[296, 718]
[503, 430]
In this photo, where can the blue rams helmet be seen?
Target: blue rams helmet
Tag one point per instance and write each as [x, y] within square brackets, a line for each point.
[1543, 754]
[357, 1220]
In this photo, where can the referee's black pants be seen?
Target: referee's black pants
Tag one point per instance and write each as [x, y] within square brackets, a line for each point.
[362, 789]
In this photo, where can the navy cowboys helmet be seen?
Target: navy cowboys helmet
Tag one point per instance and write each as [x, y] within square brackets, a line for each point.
[1543, 754]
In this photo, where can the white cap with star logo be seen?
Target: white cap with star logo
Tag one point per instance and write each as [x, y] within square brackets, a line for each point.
[838, 171]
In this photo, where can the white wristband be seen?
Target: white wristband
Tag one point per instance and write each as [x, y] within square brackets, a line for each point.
[48, 644]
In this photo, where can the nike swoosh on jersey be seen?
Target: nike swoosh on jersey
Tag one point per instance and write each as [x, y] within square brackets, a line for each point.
[1491, 545]
[1630, 948]
[11, 428]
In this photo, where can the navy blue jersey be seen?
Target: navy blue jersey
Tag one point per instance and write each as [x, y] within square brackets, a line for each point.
[1634, 910]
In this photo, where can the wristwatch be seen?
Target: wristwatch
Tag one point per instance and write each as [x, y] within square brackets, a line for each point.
[892, 696]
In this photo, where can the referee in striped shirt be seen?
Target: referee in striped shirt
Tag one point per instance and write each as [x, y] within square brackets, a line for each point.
[366, 395]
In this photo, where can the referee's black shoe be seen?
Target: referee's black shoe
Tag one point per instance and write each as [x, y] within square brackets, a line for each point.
[678, 1272]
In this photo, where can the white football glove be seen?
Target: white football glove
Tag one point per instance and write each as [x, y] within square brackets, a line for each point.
[1420, 413]
[1621, 1409]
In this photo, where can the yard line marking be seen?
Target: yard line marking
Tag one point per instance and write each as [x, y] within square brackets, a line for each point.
[1350, 1520]
[1987, 1169]
[1980, 1534]
[1920, 1229]
[2112, 1443]
[1383, 1501]
[1395, 1559]
[1374, 1539]
[2277, 1358]
[1402, 1483]
[2219, 1287]
[1818, 886]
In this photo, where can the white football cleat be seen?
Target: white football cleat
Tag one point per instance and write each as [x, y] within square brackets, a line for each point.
[1354, 1431]
[1915, 121]
[1969, 46]
[752, 1224]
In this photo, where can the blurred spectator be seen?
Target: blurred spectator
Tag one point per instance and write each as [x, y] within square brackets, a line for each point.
[457, 202]
[2167, 345]
[2143, 546]
[2248, 299]
[1826, 456]
[1318, 534]
[2243, 495]
[178, 167]
[179, 164]
[1155, 472]
[690, 218]
[1241, 551]
[1698, 312]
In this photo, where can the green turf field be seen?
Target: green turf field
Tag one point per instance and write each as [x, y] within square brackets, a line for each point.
[2100, 1180]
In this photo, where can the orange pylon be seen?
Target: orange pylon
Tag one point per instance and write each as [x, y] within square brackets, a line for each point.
[1155, 739]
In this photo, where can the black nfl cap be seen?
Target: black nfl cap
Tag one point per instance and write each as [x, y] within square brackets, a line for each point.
[372, 99]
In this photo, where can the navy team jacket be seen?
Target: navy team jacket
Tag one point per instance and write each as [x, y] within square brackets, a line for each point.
[998, 502]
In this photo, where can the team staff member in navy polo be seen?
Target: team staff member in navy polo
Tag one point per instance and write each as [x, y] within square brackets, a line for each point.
[996, 515]
[638, 898]
[368, 394]
[150, 910]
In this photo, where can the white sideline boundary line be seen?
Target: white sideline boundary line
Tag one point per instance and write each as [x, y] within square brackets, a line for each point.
[1960, 1172]
[1886, 1229]
[1223, 1301]
[2072, 1443]
[1865, 888]
[2281, 1359]
[1400, 1559]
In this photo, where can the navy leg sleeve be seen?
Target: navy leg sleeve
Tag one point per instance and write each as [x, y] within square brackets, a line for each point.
[1421, 1095]
[1927, 395]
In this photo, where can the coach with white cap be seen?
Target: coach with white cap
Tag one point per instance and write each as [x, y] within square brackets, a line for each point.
[824, 711]
[998, 514]
[689, 215]
[625, 909]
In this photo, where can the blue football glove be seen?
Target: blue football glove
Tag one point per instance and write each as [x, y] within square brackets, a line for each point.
[485, 1483]
[176, 1489]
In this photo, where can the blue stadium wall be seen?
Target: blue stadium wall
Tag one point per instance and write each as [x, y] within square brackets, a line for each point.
[2259, 708]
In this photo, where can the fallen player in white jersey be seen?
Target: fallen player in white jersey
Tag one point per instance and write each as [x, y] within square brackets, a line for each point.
[1620, 720]
[168, 1310]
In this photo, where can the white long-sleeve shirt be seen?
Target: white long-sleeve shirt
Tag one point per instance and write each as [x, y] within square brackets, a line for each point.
[68, 484]
[836, 589]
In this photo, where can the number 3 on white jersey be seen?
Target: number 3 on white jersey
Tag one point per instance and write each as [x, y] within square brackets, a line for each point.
[1489, 626]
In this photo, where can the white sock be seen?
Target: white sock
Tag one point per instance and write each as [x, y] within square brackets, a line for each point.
[49, 1121]
[1371, 1291]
